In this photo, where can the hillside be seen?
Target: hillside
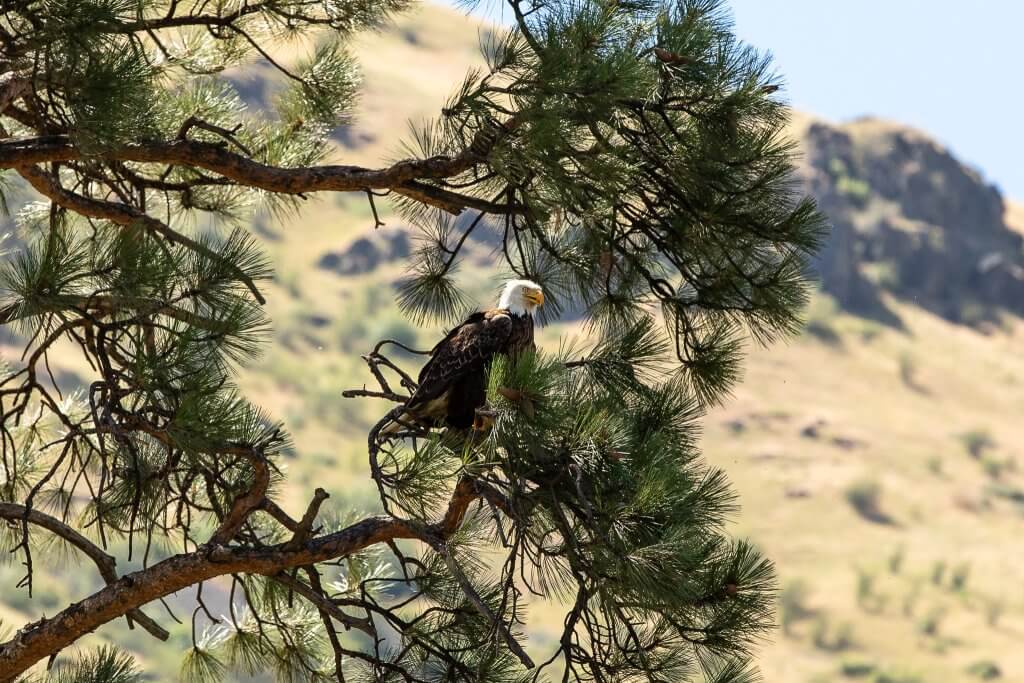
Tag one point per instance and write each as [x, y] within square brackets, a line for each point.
[911, 220]
[848, 446]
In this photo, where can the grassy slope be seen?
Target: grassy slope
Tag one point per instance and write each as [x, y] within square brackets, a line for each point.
[792, 487]
[962, 380]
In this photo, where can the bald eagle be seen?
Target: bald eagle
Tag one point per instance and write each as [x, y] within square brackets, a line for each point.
[453, 383]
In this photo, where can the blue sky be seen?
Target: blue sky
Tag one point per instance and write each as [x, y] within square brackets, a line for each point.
[953, 69]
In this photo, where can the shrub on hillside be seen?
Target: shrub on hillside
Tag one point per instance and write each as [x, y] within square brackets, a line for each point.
[893, 677]
[958, 579]
[908, 373]
[821, 320]
[825, 638]
[793, 604]
[910, 599]
[993, 467]
[977, 441]
[931, 623]
[865, 589]
[857, 668]
[865, 496]
[896, 560]
[994, 611]
[985, 669]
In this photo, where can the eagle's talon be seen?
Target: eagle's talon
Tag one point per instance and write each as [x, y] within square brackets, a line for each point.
[484, 420]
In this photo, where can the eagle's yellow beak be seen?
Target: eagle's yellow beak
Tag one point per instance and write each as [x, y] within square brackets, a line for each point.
[534, 296]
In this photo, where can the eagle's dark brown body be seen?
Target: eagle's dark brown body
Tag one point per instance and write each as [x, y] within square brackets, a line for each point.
[453, 383]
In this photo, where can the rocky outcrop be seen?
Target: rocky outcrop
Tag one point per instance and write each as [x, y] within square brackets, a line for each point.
[910, 219]
[367, 253]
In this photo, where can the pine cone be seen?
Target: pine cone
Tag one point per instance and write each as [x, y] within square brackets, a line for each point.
[671, 57]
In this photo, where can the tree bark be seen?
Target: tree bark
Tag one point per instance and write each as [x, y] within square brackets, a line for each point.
[46, 637]
[404, 177]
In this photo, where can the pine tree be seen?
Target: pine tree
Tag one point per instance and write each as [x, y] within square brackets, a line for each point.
[630, 154]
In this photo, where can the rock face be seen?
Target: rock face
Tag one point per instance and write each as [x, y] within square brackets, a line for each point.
[910, 219]
[367, 253]
[389, 244]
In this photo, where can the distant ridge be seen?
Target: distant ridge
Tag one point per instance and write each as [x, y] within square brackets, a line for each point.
[912, 220]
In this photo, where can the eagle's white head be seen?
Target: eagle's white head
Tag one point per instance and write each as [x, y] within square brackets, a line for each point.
[521, 297]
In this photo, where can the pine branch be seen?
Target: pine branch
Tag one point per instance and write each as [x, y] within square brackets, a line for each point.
[38, 640]
[122, 214]
[322, 602]
[101, 306]
[478, 603]
[405, 177]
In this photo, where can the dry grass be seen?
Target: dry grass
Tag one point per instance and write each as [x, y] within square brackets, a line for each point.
[973, 379]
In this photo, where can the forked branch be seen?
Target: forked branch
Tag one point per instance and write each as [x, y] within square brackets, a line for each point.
[41, 639]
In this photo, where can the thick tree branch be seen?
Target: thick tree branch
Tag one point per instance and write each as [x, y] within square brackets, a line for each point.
[39, 640]
[404, 177]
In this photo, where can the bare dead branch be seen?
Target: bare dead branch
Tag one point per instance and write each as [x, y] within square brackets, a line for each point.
[247, 501]
[305, 526]
[229, 135]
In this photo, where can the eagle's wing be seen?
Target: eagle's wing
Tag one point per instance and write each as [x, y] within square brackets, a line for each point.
[465, 349]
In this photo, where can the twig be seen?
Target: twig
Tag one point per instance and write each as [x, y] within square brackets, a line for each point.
[481, 606]
[377, 222]
[305, 526]
[229, 135]
[247, 501]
